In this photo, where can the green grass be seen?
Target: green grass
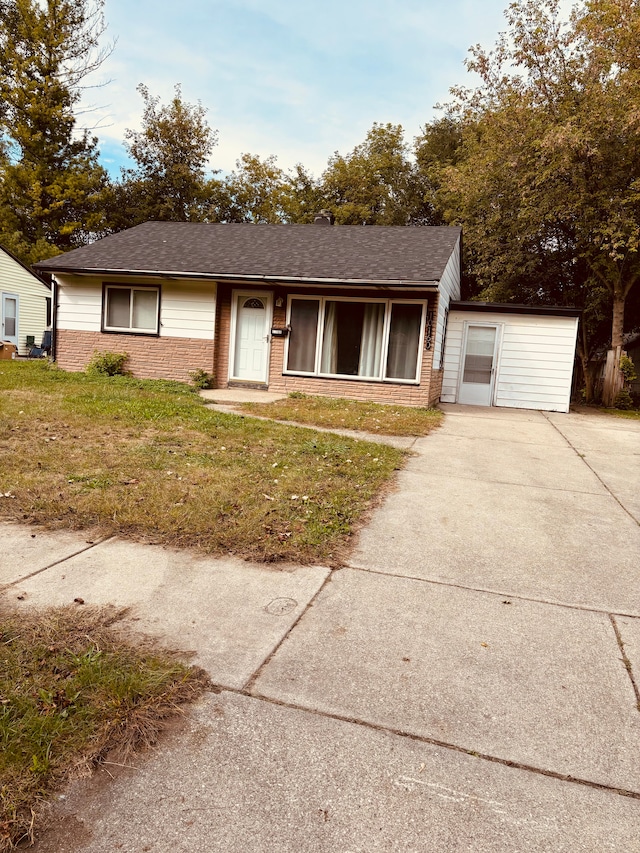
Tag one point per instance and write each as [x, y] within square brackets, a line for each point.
[338, 413]
[632, 414]
[147, 459]
[72, 693]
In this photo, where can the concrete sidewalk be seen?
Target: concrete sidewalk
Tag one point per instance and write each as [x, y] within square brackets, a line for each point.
[467, 683]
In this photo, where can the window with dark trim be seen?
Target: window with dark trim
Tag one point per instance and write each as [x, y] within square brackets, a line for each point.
[349, 338]
[131, 309]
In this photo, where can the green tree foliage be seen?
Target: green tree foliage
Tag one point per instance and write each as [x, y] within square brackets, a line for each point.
[373, 184]
[546, 181]
[303, 196]
[171, 152]
[255, 192]
[436, 148]
[50, 179]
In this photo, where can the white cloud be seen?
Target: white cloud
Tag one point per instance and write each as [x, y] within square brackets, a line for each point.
[294, 78]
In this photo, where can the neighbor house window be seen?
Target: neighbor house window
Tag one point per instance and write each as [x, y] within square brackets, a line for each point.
[375, 340]
[131, 309]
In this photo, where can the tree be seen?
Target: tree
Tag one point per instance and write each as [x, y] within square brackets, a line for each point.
[50, 179]
[437, 148]
[172, 153]
[256, 192]
[303, 196]
[375, 183]
[548, 179]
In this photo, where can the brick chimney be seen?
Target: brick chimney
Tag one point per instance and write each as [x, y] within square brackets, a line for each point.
[324, 217]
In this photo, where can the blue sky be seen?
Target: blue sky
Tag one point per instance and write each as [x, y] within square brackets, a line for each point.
[294, 78]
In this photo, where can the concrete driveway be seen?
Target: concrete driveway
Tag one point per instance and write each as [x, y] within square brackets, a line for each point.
[468, 682]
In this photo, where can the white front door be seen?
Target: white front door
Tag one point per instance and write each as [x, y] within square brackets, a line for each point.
[478, 366]
[10, 318]
[252, 319]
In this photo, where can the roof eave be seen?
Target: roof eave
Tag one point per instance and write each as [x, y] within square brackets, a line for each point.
[230, 277]
[513, 308]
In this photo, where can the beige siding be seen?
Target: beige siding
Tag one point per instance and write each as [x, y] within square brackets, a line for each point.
[79, 302]
[449, 290]
[451, 358]
[534, 366]
[187, 308]
[32, 299]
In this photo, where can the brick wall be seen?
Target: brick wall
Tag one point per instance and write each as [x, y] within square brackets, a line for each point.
[378, 392]
[222, 336]
[425, 394]
[435, 387]
[149, 358]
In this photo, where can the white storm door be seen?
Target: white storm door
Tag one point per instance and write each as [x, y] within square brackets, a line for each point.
[251, 339]
[10, 318]
[478, 366]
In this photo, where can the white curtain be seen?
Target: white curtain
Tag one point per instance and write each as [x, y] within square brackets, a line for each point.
[404, 341]
[371, 343]
[145, 309]
[302, 341]
[119, 307]
[329, 361]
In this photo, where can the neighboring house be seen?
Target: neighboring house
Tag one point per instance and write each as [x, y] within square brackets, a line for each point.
[342, 311]
[348, 311]
[24, 300]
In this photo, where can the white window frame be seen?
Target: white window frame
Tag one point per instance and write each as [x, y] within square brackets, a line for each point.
[388, 303]
[130, 330]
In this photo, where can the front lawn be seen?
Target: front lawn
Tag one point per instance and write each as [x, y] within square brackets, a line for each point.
[338, 413]
[148, 460]
[73, 693]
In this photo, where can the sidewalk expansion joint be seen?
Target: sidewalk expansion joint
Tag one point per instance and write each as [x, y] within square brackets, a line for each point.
[593, 471]
[499, 593]
[452, 747]
[529, 486]
[254, 677]
[88, 547]
[625, 659]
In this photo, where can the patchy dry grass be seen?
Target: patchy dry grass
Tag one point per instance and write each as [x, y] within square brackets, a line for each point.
[338, 413]
[149, 460]
[631, 414]
[72, 692]
[594, 409]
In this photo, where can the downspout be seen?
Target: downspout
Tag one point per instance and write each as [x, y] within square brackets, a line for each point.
[54, 317]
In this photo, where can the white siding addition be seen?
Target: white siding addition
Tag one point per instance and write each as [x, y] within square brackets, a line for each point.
[449, 290]
[534, 367]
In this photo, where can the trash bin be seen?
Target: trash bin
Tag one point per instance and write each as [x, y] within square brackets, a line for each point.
[8, 350]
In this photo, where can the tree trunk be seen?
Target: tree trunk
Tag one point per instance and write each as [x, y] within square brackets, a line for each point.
[612, 378]
[588, 379]
[583, 355]
[617, 325]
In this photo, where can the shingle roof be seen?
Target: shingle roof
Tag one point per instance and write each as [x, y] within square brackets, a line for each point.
[302, 252]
